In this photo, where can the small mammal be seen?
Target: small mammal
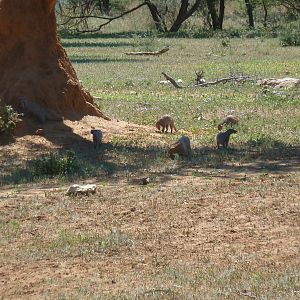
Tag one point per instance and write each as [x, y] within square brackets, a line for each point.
[165, 122]
[223, 137]
[182, 147]
[97, 137]
[229, 120]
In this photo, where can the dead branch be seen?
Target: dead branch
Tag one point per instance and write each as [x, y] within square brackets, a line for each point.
[222, 80]
[173, 81]
[226, 79]
[155, 53]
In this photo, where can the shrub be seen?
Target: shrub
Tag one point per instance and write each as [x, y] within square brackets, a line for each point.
[54, 164]
[290, 36]
[8, 119]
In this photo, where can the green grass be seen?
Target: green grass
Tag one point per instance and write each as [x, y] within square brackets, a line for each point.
[129, 87]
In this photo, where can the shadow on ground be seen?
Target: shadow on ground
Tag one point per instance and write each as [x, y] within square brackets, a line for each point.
[82, 60]
[90, 44]
[127, 158]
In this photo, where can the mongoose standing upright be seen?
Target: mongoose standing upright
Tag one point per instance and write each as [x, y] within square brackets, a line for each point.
[229, 120]
[165, 122]
[182, 147]
[97, 137]
[223, 137]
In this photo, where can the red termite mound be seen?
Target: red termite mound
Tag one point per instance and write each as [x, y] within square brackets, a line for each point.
[35, 66]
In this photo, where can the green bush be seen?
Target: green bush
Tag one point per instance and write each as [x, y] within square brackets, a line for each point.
[291, 35]
[55, 164]
[8, 119]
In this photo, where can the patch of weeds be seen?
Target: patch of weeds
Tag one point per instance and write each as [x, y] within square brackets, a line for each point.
[54, 164]
[65, 166]
[265, 142]
[74, 244]
[9, 229]
[290, 36]
[202, 174]
[114, 239]
[8, 119]
[146, 42]
[225, 42]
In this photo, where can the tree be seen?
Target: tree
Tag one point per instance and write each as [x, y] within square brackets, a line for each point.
[216, 19]
[185, 11]
[78, 12]
[34, 65]
[249, 8]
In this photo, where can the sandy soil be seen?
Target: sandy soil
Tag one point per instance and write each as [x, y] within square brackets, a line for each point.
[249, 220]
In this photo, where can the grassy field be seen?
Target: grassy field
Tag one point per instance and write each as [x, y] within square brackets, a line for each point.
[223, 225]
[129, 88]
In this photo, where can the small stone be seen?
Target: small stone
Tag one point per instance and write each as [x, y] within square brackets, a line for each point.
[145, 181]
[39, 131]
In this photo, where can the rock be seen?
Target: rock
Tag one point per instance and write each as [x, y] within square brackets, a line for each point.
[39, 131]
[280, 83]
[76, 189]
[168, 82]
[145, 181]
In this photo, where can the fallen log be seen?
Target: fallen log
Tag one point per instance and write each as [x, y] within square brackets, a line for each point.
[173, 81]
[154, 53]
[222, 80]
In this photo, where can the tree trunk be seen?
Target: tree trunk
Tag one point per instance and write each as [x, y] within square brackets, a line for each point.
[221, 13]
[181, 17]
[159, 24]
[265, 13]
[184, 13]
[250, 13]
[213, 14]
[34, 65]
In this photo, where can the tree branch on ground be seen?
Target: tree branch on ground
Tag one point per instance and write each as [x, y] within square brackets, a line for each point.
[154, 53]
[239, 78]
[173, 81]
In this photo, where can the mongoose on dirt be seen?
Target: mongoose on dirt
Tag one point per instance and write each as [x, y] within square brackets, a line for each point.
[97, 137]
[229, 120]
[165, 122]
[182, 147]
[223, 137]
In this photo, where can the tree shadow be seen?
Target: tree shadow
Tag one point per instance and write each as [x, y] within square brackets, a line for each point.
[89, 44]
[83, 60]
[6, 139]
[118, 159]
[112, 35]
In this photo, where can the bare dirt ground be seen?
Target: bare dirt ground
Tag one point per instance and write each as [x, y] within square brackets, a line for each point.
[184, 235]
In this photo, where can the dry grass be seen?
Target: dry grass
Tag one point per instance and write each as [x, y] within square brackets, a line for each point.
[223, 225]
[186, 237]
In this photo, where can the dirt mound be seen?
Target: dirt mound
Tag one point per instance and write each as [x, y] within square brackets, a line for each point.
[34, 65]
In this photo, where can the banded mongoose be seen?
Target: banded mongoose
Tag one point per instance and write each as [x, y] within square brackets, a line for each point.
[165, 122]
[229, 120]
[97, 137]
[182, 147]
[223, 137]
